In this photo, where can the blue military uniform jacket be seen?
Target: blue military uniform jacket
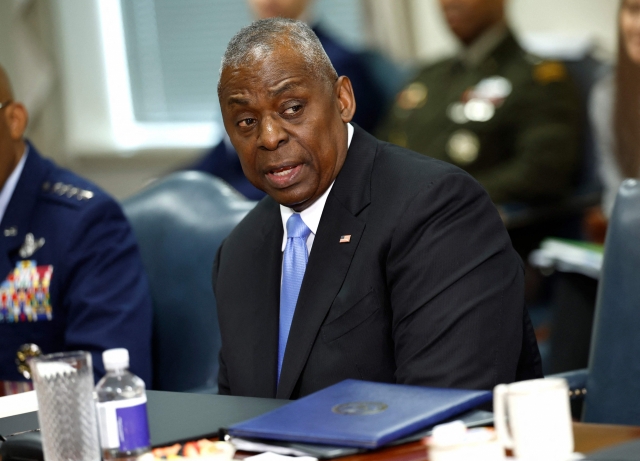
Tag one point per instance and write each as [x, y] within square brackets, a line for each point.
[71, 270]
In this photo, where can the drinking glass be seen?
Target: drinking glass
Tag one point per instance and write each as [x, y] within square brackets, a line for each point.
[66, 408]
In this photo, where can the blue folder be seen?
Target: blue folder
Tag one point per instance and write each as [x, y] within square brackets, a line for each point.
[360, 414]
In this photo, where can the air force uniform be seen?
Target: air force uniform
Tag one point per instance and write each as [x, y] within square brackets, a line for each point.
[72, 277]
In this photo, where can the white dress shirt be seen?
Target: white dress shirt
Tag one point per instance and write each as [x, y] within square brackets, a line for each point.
[10, 185]
[311, 216]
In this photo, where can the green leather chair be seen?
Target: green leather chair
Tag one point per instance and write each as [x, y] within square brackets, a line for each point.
[180, 221]
[610, 386]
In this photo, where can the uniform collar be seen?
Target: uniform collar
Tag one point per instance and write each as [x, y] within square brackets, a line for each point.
[17, 216]
[311, 216]
[12, 181]
[473, 55]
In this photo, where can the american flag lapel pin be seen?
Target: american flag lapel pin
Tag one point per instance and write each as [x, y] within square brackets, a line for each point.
[345, 238]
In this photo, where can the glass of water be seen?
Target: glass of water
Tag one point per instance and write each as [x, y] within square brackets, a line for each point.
[66, 408]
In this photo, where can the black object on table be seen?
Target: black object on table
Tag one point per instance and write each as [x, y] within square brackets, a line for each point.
[176, 417]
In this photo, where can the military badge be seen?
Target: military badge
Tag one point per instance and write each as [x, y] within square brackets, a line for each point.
[30, 246]
[549, 71]
[24, 294]
[479, 110]
[493, 89]
[479, 103]
[463, 147]
[23, 355]
[455, 111]
[413, 96]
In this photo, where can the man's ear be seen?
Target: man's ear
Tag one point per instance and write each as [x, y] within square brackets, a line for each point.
[17, 119]
[346, 99]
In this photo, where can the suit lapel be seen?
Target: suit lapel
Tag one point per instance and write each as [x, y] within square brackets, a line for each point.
[261, 332]
[329, 260]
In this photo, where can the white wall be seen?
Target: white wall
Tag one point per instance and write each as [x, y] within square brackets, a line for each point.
[596, 18]
[433, 39]
[6, 52]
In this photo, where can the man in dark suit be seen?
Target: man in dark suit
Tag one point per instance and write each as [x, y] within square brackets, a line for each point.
[72, 277]
[410, 277]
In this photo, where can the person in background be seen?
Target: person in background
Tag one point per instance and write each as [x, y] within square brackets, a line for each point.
[614, 109]
[505, 116]
[222, 160]
[72, 274]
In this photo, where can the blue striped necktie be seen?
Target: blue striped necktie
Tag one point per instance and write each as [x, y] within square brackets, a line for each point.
[294, 263]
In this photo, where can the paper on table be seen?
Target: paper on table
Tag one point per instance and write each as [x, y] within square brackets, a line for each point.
[574, 457]
[569, 256]
[275, 457]
[18, 404]
[249, 445]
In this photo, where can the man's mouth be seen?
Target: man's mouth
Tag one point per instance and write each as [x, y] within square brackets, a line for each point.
[282, 171]
[283, 176]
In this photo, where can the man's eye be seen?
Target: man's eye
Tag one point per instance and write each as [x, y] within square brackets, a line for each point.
[293, 109]
[247, 122]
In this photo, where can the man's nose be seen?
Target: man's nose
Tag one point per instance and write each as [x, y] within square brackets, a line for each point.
[272, 135]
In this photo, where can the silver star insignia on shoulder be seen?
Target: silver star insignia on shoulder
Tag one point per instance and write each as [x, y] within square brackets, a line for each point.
[67, 190]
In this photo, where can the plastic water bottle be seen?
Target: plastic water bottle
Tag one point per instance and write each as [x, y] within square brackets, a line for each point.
[122, 410]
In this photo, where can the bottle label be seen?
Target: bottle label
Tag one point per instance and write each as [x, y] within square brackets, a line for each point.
[123, 424]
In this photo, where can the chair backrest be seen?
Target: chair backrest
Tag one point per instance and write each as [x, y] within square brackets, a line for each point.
[613, 384]
[180, 221]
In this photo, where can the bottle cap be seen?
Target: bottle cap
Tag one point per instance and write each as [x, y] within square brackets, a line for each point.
[451, 433]
[115, 359]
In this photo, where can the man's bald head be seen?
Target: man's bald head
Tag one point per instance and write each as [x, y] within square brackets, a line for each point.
[256, 41]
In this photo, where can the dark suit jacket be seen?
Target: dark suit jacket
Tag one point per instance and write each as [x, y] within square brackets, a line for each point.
[99, 295]
[428, 291]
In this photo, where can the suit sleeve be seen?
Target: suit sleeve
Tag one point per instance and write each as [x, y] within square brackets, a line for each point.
[107, 294]
[545, 140]
[223, 381]
[456, 289]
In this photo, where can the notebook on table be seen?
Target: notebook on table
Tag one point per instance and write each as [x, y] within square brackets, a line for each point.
[360, 414]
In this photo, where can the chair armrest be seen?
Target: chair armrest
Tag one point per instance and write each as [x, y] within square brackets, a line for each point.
[577, 381]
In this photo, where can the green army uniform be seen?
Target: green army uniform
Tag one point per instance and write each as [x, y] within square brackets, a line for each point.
[508, 118]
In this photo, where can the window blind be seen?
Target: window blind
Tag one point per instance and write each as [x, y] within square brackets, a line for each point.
[174, 48]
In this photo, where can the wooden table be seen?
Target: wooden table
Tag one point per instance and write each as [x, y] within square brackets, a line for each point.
[588, 438]
[592, 437]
